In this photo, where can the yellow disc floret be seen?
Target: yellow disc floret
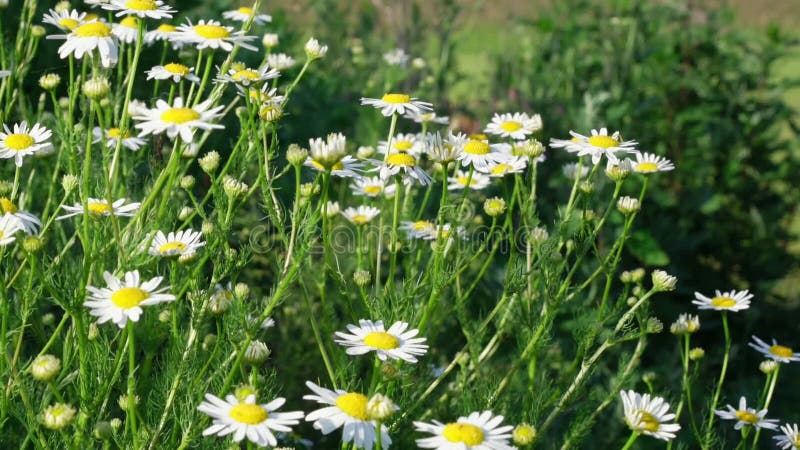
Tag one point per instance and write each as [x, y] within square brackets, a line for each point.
[723, 302]
[463, 433]
[179, 115]
[93, 29]
[141, 5]
[353, 404]
[249, 414]
[777, 350]
[603, 141]
[381, 340]
[129, 297]
[396, 98]
[401, 159]
[19, 142]
[212, 31]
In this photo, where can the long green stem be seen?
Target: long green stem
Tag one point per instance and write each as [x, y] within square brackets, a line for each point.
[718, 390]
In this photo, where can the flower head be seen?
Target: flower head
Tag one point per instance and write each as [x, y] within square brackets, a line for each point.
[99, 207]
[178, 119]
[515, 126]
[20, 141]
[597, 145]
[172, 71]
[648, 416]
[397, 342]
[361, 215]
[647, 163]
[244, 13]
[790, 437]
[181, 243]
[248, 419]
[724, 301]
[154, 9]
[211, 34]
[745, 416]
[478, 431]
[122, 299]
[776, 352]
[393, 103]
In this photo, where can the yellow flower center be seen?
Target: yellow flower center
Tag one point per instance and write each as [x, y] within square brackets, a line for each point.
[172, 246]
[511, 126]
[463, 180]
[403, 145]
[381, 340]
[501, 169]
[130, 22]
[495, 204]
[396, 98]
[401, 159]
[114, 133]
[249, 414]
[7, 206]
[463, 433]
[648, 422]
[166, 28]
[19, 142]
[372, 190]
[777, 350]
[68, 23]
[1, 234]
[647, 167]
[141, 5]
[177, 69]
[603, 141]
[245, 74]
[58, 410]
[475, 147]
[179, 115]
[747, 417]
[360, 219]
[723, 302]
[338, 166]
[478, 137]
[422, 225]
[93, 29]
[98, 208]
[246, 10]
[353, 404]
[128, 297]
[211, 31]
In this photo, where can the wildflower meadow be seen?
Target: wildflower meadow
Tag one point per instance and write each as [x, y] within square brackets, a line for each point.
[224, 228]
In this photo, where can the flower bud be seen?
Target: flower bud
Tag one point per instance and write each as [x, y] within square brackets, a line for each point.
[314, 50]
[209, 162]
[269, 40]
[45, 367]
[332, 209]
[365, 152]
[48, 319]
[296, 155]
[696, 354]
[662, 281]
[96, 88]
[209, 341]
[653, 326]
[257, 353]
[686, 324]
[187, 182]
[617, 172]
[103, 431]
[93, 332]
[124, 401]
[627, 205]
[233, 187]
[637, 275]
[362, 277]
[69, 182]
[242, 391]
[494, 206]
[207, 228]
[185, 212]
[523, 434]
[38, 31]
[49, 81]
[164, 316]
[270, 112]
[58, 416]
[538, 236]
[62, 6]
[115, 424]
[32, 244]
[768, 366]
[380, 407]
[309, 189]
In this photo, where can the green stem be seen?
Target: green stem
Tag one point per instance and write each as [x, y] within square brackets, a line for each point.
[724, 370]
[631, 440]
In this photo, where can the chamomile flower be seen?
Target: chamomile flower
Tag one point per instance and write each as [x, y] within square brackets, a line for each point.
[393, 103]
[724, 301]
[9, 225]
[175, 71]
[407, 143]
[112, 135]
[243, 14]
[179, 119]
[396, 57]
[20, 141]
[280, 61]
[398, 342]
[776, 352]
[648, 415]
[401, 164]
[790, 439]
[122, 300]
[346, 410]
[185, 242]
[361, 215]
[372, 187]
[64, 20]
[447, 150]
[482, 155]
[154, 9]
[265, 95]
[446, 232]
[427, 117]
[248, 419]
[127, 30]
[649, 163]
[88, 37]
[513, 164]
[99, 207]
[211, 34]
[246, 76]
[515, 126]
[745, 416]
[600, 144]
[331, 154]
[26, 221]
[461, 179]
[420, 229]
[164, 32]
[477, 431]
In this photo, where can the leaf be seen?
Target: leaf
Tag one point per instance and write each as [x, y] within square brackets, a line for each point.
[643, 246]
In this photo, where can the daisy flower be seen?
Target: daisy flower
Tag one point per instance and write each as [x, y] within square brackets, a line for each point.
[394, 343]
[265, 95]
[512, 164]
[177, 72]
[180, 243]
[775, 352]
[178, 119]
[724, 301]
[123, 300]
[346, 410]
[600, 144]
[401, 163]
[790, 439]
[361, 215]
[648, 163]
[212, 34]
[112, 136]
[478, 431]
[64, 20]
[154, 9]
[372, 187]
[445, 232]
[427, 117]
[26, 221]
[445, 150]
[420, 229]
[407, 143]
[346, 167]
[20, 141]
[164, 32]
[127, 30]
[391, 104]
[648, 416]
[87, 37]
[480, 154]
[256, 422]
[280, 61]
[9, 225]
[99, 207]
[460, 179]
[244, 14]
[515, 126]
[246, 76]
[745, 416]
